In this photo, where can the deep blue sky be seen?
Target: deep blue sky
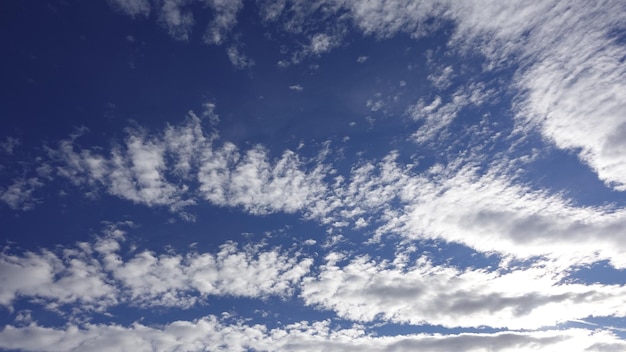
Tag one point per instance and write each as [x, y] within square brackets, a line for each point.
[324, 175]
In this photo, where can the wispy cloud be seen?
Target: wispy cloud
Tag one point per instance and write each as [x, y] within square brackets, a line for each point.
[19, 195]
[224, 19]
[131, 7]
[238, 58]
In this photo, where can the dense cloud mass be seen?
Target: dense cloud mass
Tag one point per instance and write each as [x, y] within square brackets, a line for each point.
[372, 176]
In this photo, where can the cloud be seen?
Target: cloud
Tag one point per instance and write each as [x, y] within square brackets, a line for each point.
[19, 195]
[178, 19]
[224, 19]
[296, 88]
[483, 209]
[55, 279]
[364, 290]
[211, 333]
[563, 54]
[260, 186]
[238, 59]
[9, 144]
[568, 55]
[161, 169]
[131, 7]
[473, 200]
[361, 59]
[93, 276]
[437, 115]
[443, 78]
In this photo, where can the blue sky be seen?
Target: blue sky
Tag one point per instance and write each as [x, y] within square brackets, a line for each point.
[188, 175]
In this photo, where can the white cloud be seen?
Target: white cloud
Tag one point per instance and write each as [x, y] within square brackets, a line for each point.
[572, 74]
[224, 19]
[416, 293]
[9, 145]
[160, 170]
[563, 53]
[72, 277]
[361, 59]
[131, 7]
[19, 195]
[93, 276]
[238, 59]
[296, 88]
[212, 334]
[177, 18]
[321, 43]
[437, 115]
[443, 78]
[257, 184]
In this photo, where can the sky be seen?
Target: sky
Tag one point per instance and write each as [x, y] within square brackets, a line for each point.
[313, 175]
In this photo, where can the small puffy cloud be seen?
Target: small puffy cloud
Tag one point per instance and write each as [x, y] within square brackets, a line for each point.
[296, 88]
[19, 195]
[443, 78]
[257, 184]
[238, 59]
[321, 43]
[361, 59]
[9, 144]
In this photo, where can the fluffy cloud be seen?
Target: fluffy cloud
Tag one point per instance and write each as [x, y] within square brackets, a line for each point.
[210, 333]
[417, 293]
[238, 59]
[93, 276]
[160, 170]
[257, 184]
[19, 195]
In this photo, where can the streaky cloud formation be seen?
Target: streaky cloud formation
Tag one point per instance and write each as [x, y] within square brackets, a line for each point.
[383, 175]
[95, 276]
[209, 333]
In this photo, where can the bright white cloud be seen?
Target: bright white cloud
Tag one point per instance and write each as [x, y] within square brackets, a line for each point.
[572, 76]
[212, 334]
[71, 277]
[93, 276]
[257, 184]
[416, 293]
[296, 88]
